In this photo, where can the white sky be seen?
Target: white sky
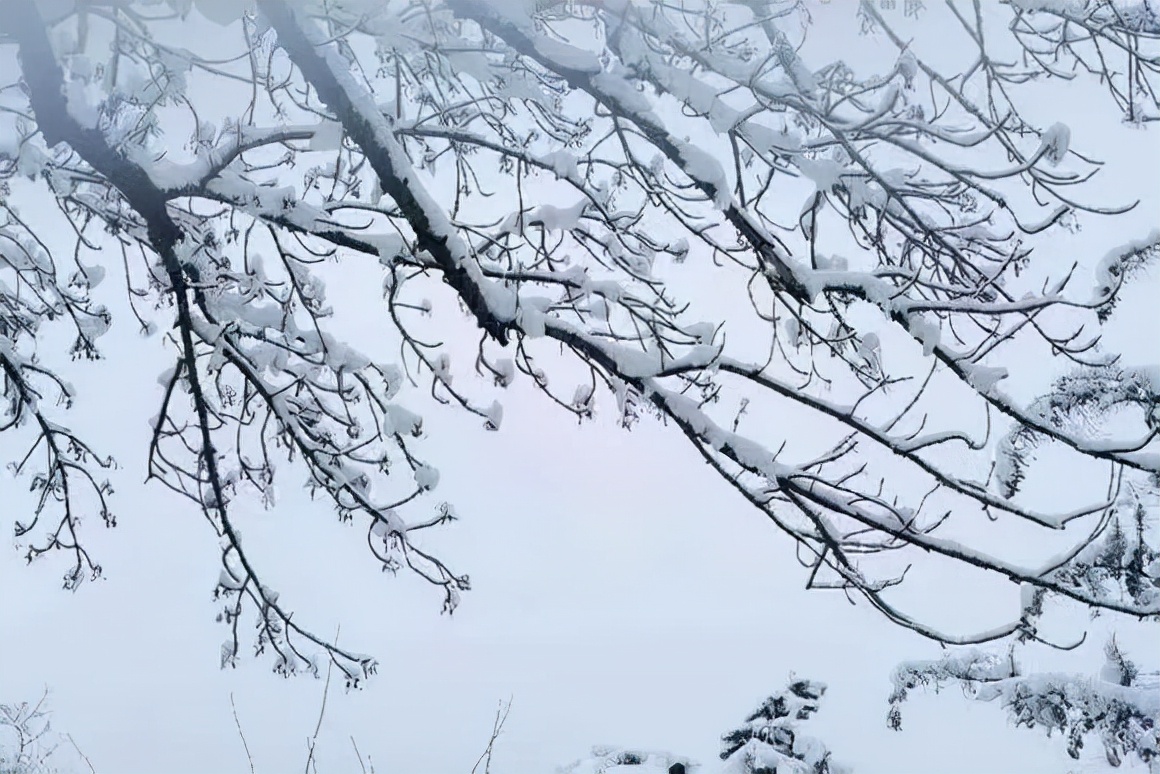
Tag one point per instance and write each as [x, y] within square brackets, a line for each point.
[623, 594]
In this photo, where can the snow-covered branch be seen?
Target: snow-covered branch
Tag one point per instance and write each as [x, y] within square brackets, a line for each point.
[622, 196]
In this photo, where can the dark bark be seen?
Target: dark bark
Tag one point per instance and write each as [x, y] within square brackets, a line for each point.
[319, 75]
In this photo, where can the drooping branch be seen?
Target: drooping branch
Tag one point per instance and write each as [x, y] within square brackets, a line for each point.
[45, 82]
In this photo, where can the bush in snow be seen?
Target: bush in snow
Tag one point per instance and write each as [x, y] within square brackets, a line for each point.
[26, 738]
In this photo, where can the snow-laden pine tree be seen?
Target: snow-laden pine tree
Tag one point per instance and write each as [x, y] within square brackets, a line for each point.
[703, 213]
[771, 741]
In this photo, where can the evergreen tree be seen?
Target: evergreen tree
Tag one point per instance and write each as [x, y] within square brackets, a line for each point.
[770, 742]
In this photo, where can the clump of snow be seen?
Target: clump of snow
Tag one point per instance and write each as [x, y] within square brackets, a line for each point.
[1055, 142]
[834, 263]
[442, 368]
[387, 523]
[563, 164]
[531, 317]
[610, 290]
[616, 87]
[92, 275]
[1112, 268]
[722, 117]
[766, 140]
[865, 193]
[426, 477]
[32, 158]
[983, 378]
[400, 420]
[566, 56]
[506, 372]
[555, 218]
[582, 398]
[907, 66]
[494, 415]
[702, 332]
[94, 323]
[806, 216]
[926, 331]
[793, 331]
[870, 350]
[82, 100]
[707, 170]
[1011, 454]
[691, 90]
[825, 173]
[227, 580]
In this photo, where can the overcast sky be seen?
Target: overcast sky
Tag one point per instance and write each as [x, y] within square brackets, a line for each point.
[623, 593]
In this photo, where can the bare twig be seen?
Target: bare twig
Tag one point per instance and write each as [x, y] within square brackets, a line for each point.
[85, 758]
[501, 714]
[313, 741]
[362, 765]
[238, 723]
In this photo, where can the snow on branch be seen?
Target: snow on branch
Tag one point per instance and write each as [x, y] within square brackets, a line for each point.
[1120, 706]
[623, 198]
